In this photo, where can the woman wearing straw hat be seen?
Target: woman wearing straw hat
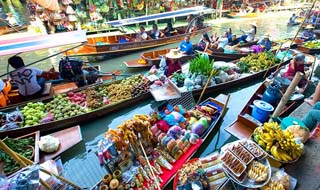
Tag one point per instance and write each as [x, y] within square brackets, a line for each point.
[173, 62]
[265, 43]
[249, 35]
[308, 34]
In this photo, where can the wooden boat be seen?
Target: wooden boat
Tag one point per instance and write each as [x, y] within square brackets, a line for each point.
[245, 124]
[242, 15]
[240, 80]
[104, 44]
[71, 121]
[293, 24]
[7, 30]
[221, 102]
[308, 50]
[67, 137]
[148, 59]
[51, 89]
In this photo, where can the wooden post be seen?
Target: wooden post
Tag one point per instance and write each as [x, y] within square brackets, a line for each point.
[285, 98]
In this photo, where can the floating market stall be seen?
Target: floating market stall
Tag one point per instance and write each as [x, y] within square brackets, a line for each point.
[146, 151]
[310, 47]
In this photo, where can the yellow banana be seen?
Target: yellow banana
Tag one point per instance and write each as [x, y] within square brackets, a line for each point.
[262, 143]
[284, 156]
[274, 152]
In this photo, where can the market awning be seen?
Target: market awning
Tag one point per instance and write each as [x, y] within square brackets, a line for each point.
[166, 15]
[32, 43]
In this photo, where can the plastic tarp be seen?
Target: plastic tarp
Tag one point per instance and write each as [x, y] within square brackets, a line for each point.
[32, 43]
[166, 15]
[52, 5]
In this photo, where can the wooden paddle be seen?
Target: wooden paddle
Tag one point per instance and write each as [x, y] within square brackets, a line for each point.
[7, 23]
[313, 65]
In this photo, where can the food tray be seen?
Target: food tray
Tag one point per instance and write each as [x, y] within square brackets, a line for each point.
[238, 150]
[166, 92]
[239, 179]
[228, 156]
[253, 148]
[247, 182]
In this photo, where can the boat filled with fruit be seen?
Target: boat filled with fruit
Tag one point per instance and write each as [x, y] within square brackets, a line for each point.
[146, 151]
[310, 47]
[195, 75]
[67, 109]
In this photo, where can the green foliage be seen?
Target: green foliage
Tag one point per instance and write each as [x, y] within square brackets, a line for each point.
[180, 77]
[201, 65]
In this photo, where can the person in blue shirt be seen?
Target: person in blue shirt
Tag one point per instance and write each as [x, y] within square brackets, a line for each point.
[265, 42]
[308, 34]
[186, 46]
[293, 18]
[229, 34]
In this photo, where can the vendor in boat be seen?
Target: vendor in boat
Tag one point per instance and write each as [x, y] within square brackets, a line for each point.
[29, 80]
[11, 20]
[222, 42]
[203, 43]
[142, 35]
[169, 30]
[249, 35]
[296, 65]
[265, 43]
[308, 34]
[186, 46]
[173, 62]
[293, 18]
[214, 38]
[155, 32]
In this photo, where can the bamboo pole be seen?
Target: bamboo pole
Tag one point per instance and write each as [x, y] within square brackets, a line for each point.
[313, 65]
[285, 98]
[205, 87]
[15, 156]
[152, 172]
[265, 74]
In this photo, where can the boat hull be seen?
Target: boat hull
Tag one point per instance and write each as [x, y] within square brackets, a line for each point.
[247, 15]
[121, 48]
[308, 50]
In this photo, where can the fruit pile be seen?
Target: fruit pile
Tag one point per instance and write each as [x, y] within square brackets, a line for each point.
[77, 98]
[62, 108]
[33, 113]
[256, 62]
[279, 143]
[312, 44]
[94, 98]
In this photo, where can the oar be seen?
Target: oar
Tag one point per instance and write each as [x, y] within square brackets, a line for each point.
[265, 74]
[205, 87]
[313, 65]
[7, 23]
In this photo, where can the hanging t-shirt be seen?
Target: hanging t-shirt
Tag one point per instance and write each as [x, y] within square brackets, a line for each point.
[26, 78]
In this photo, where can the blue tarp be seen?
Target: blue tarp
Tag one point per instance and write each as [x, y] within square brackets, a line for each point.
[166, 15]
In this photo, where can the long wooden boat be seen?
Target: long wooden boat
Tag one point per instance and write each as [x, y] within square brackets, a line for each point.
[293, 24]
[243, 51]
[8, 30]
[71, 121]
[148, 59]
[51, 89]
[240, 15]
[104, 44]
[244, 125]
[308, 50]
[220, 102]
[241, 80]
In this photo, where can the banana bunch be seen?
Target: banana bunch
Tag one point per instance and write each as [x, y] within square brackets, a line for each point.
[259, 61]
[281, 144]
[273, 185]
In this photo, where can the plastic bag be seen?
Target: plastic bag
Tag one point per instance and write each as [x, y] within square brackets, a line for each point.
[25, 179]
[49, 144]
[13, 120]
[282, 177]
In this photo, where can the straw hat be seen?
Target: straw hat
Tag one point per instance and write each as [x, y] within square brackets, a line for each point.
[266, 36]
[1, 85]
[253, 24]
[309, 26]
[174, 54]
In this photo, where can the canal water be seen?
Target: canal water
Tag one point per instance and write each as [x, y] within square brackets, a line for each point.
[80, 162]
